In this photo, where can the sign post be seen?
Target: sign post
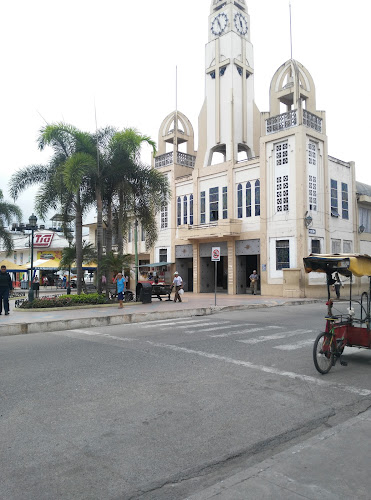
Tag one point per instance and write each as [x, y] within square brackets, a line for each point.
[215, 256]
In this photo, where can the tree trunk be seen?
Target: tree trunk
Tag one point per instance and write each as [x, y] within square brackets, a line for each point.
[99, 237]
[120, 224]
[109, 243]
[78, 239]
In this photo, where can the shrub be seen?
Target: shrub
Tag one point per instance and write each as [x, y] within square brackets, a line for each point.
[65, 301]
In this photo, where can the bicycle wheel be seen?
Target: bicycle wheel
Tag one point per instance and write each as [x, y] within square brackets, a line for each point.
[323, 355]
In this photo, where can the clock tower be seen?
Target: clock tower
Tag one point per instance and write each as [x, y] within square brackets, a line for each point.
[232, 117]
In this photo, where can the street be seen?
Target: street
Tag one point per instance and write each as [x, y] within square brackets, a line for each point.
[163, 409]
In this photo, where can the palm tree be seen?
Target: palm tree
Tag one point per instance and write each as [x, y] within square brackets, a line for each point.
[69, 256]
[66, 142]
[8, 212]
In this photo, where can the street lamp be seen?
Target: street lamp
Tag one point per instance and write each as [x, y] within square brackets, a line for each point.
[32, 221]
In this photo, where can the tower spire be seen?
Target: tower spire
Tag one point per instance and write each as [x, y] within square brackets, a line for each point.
[290, 30]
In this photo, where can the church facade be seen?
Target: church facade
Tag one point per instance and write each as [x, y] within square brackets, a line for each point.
[261, 187]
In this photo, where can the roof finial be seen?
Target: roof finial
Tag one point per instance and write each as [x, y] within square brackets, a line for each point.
[290, 29]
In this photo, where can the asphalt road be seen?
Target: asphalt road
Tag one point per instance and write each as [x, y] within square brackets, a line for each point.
[160, 410]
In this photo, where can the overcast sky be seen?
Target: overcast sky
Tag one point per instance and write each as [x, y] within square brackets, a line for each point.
[60, 59]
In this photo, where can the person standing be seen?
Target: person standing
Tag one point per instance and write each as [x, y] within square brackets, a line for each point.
[254, 282]
[338, 284]
[64, 282]
[36, 286]
[178, 283]
[5, 286]
[120, 281]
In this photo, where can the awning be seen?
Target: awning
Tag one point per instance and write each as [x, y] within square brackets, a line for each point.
[157, 264]
[12, 267]
[44, 265]
[345, 264]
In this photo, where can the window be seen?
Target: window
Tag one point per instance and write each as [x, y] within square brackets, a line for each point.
[364, 219]
[312, 192]
[179, 212]
[282, 193]
[163, 255]
[336, 246]
[15, 257]
[282, 254]
[316, 246]
[347, 246]
[257, 198]
[185, 210]
[203, 208]
[130, 236]
[225, 202]
[239, 201]
[344, 201]
[164, 217]
[312, 153]
[191, 210]
[282, 177]
[143, 234]
[214, 204]
[282, 154]
[334, 198]
[248, 199]
[21, 259]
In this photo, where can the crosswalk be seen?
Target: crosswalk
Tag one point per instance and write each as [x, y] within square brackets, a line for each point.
[250, 334]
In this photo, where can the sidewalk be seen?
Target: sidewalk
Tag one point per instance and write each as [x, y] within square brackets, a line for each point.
[334, 465]
[21, 321]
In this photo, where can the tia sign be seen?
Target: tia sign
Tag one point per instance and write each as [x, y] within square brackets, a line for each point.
[43, 240]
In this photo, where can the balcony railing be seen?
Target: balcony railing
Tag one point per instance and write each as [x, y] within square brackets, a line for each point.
[312, 121]
[282, 122]
[290, 119]
[181, 159]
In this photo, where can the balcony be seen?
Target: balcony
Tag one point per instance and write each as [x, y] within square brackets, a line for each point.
[183, 159]
[219, 229]
[291, 119]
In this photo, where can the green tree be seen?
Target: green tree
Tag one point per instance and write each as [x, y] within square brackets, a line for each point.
[8, 212]
[66, 142]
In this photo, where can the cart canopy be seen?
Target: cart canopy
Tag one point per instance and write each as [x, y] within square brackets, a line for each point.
[345, 264]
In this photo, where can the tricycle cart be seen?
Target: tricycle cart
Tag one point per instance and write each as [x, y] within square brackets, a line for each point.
[343, 330]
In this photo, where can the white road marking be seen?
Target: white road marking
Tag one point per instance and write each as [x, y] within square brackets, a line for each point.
[276, 336]
[293, 347]
[173, 322]
[99, 334]
[265, 369]
[218, 328]
[197, 325]
[242, 332]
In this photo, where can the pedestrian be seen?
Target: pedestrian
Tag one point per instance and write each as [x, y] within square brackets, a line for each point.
[5, 286]
[120, 281]
[337, 285]
[178, 283]
[36, 286]
[64, 282]
[254, 278]
[46, 281]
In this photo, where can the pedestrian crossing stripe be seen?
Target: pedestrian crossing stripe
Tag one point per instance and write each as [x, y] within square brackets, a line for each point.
[277, 336]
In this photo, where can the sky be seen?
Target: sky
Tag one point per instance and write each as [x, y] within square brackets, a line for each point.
[114, 63]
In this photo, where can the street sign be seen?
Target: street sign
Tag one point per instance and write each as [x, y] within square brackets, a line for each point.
[215, 254]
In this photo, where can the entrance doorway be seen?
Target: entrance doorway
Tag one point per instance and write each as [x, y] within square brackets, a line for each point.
[245, 266]
[208, 275]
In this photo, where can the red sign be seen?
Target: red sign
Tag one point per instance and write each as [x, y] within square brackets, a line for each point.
[43, 240]
[215, 254]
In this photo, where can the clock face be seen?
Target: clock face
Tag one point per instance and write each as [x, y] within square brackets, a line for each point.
[219, 24]
[240, 22]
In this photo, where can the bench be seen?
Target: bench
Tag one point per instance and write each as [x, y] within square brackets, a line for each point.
[161, 289]
[89, 288]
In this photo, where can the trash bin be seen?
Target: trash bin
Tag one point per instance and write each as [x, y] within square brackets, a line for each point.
[144, 292]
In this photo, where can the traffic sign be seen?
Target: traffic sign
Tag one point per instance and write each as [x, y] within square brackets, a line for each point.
[215, 254]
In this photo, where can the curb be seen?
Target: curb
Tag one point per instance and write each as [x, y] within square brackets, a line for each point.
[93, 322]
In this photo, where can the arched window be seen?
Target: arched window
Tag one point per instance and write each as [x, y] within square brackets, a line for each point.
[185, 210]
[179, 212]
[239, 201]
[257, 197]
[191, 210]
[248, 199]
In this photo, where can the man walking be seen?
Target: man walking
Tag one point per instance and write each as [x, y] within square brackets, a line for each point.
[5, 286]
[178, 283]
[254, 282]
